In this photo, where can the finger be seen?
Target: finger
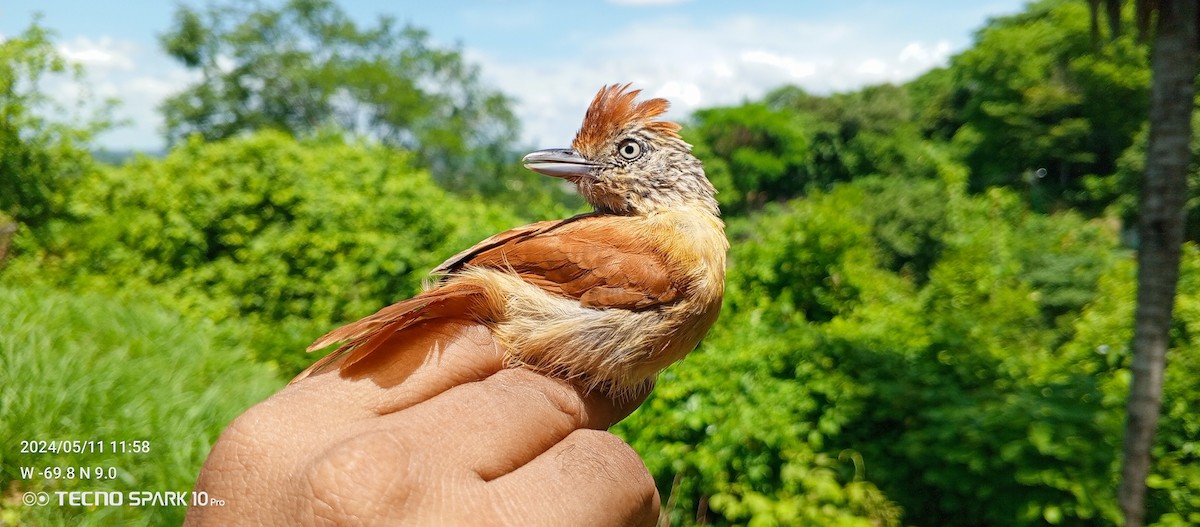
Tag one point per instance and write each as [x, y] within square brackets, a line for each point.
[593, 475]
[495, 425]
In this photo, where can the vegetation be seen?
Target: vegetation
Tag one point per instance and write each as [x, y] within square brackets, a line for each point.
[306, 65]
[294, 235]
[988, 392]
[920, 327]
[91, 368]
[40, 160]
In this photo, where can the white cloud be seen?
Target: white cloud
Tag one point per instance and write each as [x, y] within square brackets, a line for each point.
[796, 69]
[138, 78]
[871, 68]
[685, 92]
[696, 66]
[722, 69]
[102, 54]
[917, 53]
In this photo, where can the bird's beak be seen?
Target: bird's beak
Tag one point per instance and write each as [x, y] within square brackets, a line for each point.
[559, 162]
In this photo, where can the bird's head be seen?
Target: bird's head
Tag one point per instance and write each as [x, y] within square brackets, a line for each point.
[625, 162]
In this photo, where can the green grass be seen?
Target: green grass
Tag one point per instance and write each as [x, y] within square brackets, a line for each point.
[92, 368]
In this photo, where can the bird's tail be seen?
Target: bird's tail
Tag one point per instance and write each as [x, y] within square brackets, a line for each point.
[359, 339]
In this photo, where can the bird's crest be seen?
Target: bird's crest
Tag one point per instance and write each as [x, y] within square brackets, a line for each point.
[612, 110]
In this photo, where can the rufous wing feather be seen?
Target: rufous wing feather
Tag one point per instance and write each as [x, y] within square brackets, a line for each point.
[366, 335]
[541, 228]
[589, 258]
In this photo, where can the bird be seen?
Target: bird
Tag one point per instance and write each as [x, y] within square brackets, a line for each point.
[604, 299]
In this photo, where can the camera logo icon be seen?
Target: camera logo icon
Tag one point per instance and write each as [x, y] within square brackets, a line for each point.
[35, 498]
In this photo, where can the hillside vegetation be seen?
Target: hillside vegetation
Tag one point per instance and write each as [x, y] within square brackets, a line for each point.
[929, 299]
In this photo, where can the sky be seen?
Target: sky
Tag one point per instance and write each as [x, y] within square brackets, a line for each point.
[552, 57]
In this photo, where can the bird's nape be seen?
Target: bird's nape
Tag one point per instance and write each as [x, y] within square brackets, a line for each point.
[604, 300]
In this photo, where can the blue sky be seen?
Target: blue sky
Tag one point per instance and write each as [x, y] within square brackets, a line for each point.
[553, 56]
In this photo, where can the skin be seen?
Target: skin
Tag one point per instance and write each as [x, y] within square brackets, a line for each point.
[605, 299]
[460, 441]
[416, 422]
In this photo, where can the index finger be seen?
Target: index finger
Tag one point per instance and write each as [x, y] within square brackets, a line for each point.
[500, 423]
[595, 475]
[429, 359]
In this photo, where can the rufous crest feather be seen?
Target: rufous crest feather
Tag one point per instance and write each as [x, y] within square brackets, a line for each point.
[613, 110]
[605, 299]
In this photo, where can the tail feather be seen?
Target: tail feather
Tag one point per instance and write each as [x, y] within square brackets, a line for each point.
[359, 339]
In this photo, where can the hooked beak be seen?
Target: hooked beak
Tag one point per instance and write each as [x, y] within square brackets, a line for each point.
[559, 162]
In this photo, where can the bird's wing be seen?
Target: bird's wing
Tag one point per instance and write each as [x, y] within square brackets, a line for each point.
[597, 259]
[456, 262]
[366, 335]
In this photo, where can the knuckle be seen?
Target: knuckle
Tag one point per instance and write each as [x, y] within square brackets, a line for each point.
[251, 422]
[560, 396]
[249, 435]
[603, 456]
[363, 477]
[620, 462]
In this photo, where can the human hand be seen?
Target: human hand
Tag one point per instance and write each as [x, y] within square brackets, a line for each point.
[446, 439]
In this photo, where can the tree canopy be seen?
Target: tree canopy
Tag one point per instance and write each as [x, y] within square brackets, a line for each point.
[920, 326]
[41, 158]
[306, 65]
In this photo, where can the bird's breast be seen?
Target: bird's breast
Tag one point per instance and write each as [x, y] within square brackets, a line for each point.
[694, 240]
[618, 347]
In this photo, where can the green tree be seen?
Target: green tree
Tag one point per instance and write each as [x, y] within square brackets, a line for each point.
[963, 391]
[908, 223]
[752, 153]
[970, 411]
[936, 100]
[866, 132]
[1124, 188]
[41, 160]
[297, 236]
[305, 65]
[1104, 331]
[1040, 105]
[792, 143]
[1175, 61]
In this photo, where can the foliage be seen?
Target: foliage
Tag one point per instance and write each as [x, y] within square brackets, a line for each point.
[1122, 190]
[298, 236]
[40, 159]
[1039, 104]
[753, 154]
[90, 368]
[305, 65]
[740, 434]
[916, 330]
[839, 384]
[1105, 330]
[861, 133]
[908, 223]
[743, 431]
[956, 371]
[793, 143]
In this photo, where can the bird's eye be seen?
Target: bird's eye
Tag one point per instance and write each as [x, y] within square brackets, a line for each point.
[630, 149]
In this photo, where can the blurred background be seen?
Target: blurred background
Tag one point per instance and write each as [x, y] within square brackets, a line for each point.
[931, 210]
